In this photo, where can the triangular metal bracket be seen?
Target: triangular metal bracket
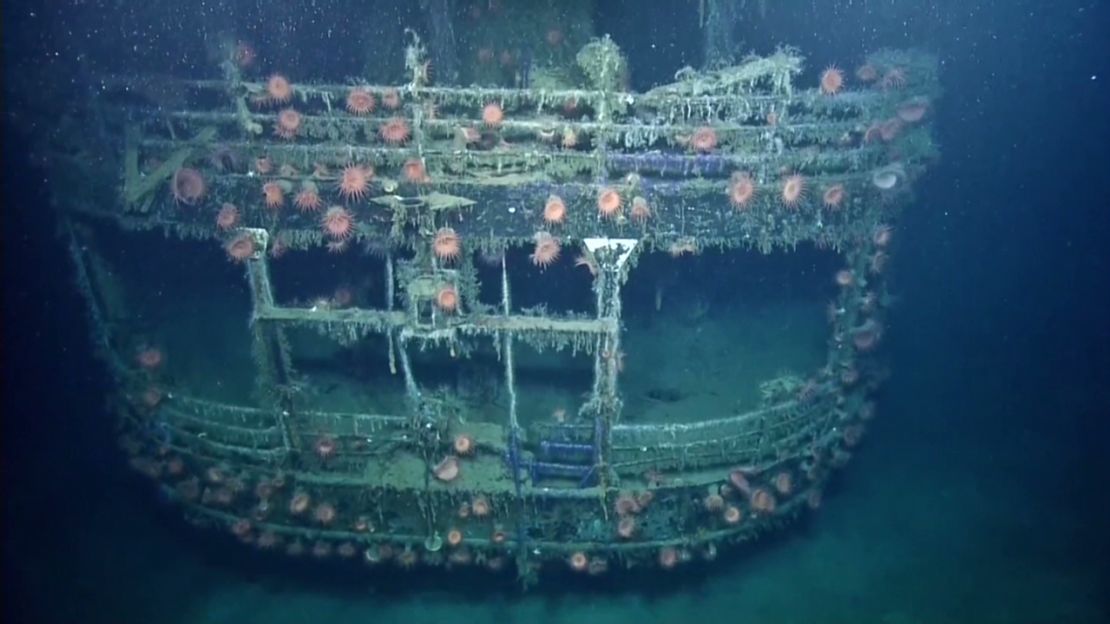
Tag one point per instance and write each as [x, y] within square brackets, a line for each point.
[623, 247]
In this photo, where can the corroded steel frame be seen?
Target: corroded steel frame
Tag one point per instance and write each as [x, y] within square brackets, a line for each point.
[554, 489]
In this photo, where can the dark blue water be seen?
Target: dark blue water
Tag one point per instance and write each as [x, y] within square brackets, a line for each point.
[981, 495]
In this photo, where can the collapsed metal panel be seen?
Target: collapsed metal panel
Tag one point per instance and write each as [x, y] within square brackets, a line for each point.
[425, 486]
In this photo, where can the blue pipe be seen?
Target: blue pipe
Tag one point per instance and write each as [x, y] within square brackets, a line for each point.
[545, 470]
[566, 451]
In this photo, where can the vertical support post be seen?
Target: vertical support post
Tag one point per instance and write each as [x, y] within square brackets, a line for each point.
[78, 249]
[718, 32]
[389, 308]
[612, 258]
[399, 343]
[406, 367]
[513, 459]
[444, 50]
[510, 379]
[601, 149]
[269, 354]
[857, 259]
